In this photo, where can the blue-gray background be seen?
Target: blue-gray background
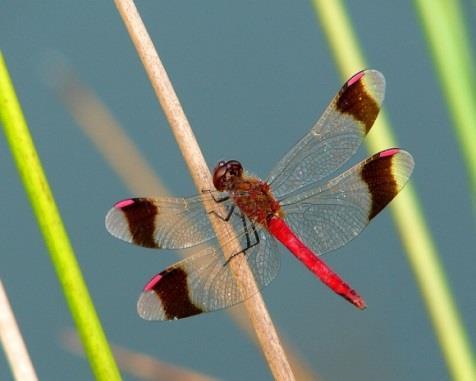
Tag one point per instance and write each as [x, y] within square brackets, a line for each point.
[252, 77]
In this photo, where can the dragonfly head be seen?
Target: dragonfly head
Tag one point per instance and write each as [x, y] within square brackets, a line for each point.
[225, 173]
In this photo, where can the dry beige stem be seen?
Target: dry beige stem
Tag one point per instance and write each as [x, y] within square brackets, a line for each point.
[101, 127]
[198, 168]
[139, 364]
[12, 342]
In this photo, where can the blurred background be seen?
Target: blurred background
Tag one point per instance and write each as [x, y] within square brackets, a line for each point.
[252, 77]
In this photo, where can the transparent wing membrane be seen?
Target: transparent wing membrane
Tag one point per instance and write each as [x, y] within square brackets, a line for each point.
[328, 217]
[206, 282]
[167, 223]
[334, 138]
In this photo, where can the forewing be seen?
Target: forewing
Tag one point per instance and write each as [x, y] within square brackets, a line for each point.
[334, 138]
[328, 217]
[167, 223]
[205, 282]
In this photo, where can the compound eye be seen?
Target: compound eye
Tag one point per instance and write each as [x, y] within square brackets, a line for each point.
[219, 175]
[234, 168]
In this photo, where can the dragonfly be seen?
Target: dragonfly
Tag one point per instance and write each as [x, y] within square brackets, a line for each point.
[300, 205]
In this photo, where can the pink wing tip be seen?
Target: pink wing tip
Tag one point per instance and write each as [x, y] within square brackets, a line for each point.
[389, 152]
[124, 203]
[355, 78]
[151, 284]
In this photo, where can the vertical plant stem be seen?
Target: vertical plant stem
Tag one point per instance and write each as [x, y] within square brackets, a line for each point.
[259, 316]
[12, 342]
[54, 233]
[420, 248]
[444, 28]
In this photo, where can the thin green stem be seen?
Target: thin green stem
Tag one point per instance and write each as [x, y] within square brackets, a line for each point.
[420, 248]
[446, 33]
[54, 234]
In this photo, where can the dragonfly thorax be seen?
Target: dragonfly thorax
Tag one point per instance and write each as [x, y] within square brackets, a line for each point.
[255, 199]
[250, 194]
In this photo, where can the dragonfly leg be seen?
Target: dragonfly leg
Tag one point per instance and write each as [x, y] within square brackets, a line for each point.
[227, 217]
[217, 200]
[249, 245]
[247, 234]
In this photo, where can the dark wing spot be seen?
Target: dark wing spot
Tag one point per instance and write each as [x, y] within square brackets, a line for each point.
[377, 173]
[140, 216]
[172, 290]
[357, 102]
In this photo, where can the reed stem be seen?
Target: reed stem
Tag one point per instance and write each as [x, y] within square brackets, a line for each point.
[53, 231]
[12, 342]
[444, 28]
[259, 316]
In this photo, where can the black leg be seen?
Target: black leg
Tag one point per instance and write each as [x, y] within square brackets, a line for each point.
[228, 216]
[217, 200]
[255, 233]
[249, 245]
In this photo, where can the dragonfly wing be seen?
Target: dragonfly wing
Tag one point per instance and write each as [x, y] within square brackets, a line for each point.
[334, 138]
[167, 223]
[328, 217]
[205, 282]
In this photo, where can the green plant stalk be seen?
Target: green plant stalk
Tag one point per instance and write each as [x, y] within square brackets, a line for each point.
[454, 14]
[420, 248]
[51, 226]
[444, 28]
